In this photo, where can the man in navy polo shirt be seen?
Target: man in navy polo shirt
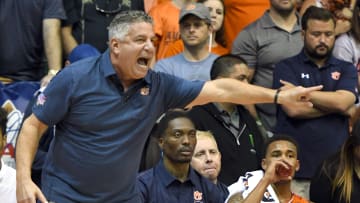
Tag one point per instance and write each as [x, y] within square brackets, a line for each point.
[321, 129]
[173, 179]
[104, 108]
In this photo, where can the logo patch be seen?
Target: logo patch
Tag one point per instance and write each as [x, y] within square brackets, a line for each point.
[197, 196]
[335, 75]
[144, 91]
[41, 99]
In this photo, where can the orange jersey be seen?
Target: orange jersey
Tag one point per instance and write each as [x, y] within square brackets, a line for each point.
[239, 14]
[178, 46]
[297, 199]
[166, 26]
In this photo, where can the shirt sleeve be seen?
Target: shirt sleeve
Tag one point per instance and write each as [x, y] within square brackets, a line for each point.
[53, 104]
[179, 92]
[54, 9]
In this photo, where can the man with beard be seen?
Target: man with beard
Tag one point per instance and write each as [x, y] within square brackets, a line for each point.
[321, 129]
[270, 39]
[173, 179]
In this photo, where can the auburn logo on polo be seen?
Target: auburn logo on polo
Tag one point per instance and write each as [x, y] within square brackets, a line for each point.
[335, 75]
[197, 196]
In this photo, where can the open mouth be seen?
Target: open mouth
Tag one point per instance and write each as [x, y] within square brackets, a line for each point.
[143, 61]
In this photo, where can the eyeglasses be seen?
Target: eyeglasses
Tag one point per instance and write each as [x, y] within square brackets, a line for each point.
[108, 12]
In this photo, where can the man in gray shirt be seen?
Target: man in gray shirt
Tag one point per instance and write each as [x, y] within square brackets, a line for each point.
[271, 38]
[196, 60]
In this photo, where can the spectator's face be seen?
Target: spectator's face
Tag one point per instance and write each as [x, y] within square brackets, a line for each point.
[216, 9]
[285, 152]
[240, 72]
[283, 7]
[179, 141]
[194, 31]
[207, 158]
[132, 55]
[319, 38]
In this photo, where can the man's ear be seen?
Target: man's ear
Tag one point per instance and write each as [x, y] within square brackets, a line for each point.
[263, 164]
[114, 45]
[161, 142]
[297, 166]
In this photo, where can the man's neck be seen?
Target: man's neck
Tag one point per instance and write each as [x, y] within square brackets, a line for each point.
[179, 170]
[286, 22]
[283, 191]
[195, 53]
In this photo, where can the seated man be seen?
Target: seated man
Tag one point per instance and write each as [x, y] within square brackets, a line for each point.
[172, 179]
[279, 163]
[7, 174]
[235, 130]
[207, 158]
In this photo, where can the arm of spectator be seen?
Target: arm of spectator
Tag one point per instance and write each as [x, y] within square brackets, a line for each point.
[69, 42]
[26, 146]
[338, 101]
[234, 91]
[53, 49]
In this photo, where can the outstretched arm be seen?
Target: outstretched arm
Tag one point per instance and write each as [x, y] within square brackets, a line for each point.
[234, 91]
[27, 144]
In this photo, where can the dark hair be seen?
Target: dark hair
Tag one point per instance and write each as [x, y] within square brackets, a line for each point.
[280, 137]
[355, 23]
[316, 13]
[223, 65]
[159, 128]
[220, 34]
[3, 121]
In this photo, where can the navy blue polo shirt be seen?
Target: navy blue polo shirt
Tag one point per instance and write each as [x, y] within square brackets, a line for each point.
[319, 137]
[157, 185]
[101, 130]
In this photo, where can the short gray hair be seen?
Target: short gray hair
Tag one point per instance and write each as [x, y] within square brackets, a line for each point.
[120, 25]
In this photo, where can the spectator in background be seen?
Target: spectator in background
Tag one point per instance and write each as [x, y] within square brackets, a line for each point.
[7, 174]
[166, 24]
[206, 159]
[236, 132]
[347, 45]
[273, 183]
[316, 65]
[173, 179]
[216, 40]
[239, 14]
[338, 178]
[341, 9]
[87, 21]
[271, 38]
[194, 63]
[30, 30]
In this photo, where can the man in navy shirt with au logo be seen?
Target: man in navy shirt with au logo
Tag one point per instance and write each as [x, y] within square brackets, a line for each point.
[173, 179]
[321, 129]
